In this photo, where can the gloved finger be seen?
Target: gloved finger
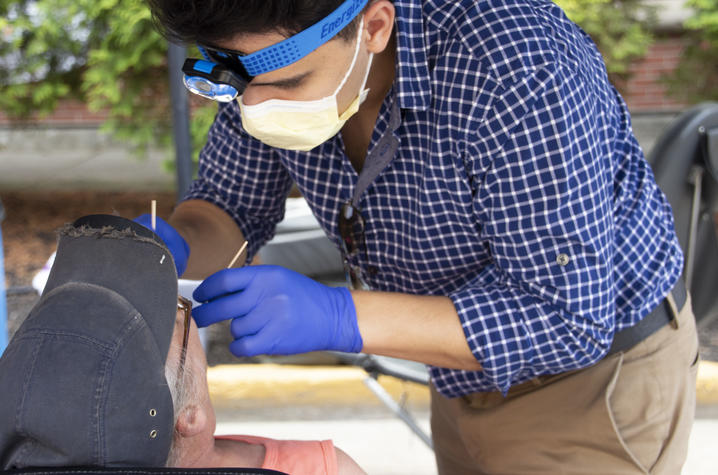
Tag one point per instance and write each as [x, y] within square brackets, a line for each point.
[163, 229]
[251, 345]
[174, 241]
[250, 324]
[223, 308]
[223, 282]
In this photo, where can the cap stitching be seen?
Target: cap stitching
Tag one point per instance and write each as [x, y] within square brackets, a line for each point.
[101, 396]
[63, 333]
[18, 424]
[108, 351]
[100, 449]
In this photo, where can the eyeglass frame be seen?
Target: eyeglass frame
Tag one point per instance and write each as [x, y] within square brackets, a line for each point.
[185, 305]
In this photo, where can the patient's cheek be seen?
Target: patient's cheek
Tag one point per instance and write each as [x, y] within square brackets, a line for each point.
[195, 348]
[178, 328]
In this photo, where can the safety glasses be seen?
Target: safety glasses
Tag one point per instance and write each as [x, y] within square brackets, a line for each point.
[351, 231]
[186, 306]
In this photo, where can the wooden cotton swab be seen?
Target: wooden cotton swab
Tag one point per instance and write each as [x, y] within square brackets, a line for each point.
[236, 256]
[154, 214]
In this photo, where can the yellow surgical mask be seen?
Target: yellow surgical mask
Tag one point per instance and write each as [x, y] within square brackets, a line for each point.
[302, 125]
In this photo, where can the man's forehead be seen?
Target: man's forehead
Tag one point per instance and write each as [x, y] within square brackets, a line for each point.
[248, 43]
[294, 74]
[261, 53]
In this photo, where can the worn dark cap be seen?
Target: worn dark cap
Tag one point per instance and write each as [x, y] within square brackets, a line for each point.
[82, 381]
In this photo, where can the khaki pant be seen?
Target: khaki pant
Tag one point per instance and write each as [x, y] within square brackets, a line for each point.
[630, 413]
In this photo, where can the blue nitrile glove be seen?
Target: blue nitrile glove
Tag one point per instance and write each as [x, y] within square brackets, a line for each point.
[173, 240]
[276, 311]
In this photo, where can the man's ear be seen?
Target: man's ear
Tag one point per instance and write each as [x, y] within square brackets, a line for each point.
[379, 22]
[191, 421]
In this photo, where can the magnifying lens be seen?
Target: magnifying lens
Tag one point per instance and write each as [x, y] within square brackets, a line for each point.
[212, 81]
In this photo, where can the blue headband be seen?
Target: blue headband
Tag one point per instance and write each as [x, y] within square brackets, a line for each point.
[296, 47]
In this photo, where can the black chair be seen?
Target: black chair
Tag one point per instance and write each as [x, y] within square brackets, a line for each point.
[685, 163]
[141, 471]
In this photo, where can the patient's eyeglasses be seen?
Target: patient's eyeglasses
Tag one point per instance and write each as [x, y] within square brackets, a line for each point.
[351, 230]
[186, 306]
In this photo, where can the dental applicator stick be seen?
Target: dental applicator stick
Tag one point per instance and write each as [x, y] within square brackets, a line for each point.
[239, 253]
[154, 214]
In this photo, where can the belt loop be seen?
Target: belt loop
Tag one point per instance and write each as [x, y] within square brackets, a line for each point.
[673, 309]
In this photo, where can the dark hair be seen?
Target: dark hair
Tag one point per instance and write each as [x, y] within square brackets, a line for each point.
[209, 21]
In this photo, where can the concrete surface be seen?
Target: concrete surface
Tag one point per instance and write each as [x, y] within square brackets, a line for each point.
[78, 158]
[85, 158]
[256, 387]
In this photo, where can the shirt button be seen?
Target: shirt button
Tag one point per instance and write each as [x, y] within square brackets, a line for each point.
[562, 259]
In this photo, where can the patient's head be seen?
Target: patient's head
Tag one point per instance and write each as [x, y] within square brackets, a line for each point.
[83, 379]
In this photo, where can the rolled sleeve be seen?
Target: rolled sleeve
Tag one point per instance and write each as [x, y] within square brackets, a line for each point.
[546, 302]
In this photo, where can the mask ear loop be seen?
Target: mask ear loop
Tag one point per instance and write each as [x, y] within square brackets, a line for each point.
[364, 92]
[354, 59]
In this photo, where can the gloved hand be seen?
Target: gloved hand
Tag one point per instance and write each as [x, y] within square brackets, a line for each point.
[173, 240]
[277, 311]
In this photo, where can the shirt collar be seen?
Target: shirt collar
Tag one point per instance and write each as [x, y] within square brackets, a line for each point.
[413, 82]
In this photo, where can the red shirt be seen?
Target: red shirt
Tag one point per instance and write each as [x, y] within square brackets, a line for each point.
[297, 457]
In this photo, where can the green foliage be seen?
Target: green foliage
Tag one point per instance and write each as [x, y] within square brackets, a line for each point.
[620, 29]
[696, 77]
[106, 53]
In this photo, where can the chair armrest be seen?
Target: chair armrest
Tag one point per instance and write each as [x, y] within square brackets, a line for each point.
[710, 151]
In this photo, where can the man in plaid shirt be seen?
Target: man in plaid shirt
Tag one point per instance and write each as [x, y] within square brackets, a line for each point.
[496, 215]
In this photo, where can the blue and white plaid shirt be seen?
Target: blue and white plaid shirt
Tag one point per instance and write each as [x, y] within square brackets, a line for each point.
[518, 189]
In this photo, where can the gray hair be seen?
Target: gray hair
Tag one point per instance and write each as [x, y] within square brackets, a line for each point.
[185, 392]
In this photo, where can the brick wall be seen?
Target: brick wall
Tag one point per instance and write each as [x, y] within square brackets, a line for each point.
[67, 113]
[643, 92]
